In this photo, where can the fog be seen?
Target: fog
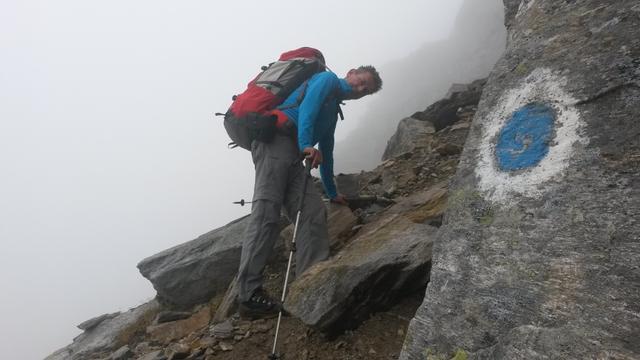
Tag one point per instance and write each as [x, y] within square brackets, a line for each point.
[109, 151]
[468, 53]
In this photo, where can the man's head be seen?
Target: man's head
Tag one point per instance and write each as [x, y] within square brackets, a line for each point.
[364, 80]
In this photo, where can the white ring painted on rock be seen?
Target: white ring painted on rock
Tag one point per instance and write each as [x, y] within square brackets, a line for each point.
[540, 86]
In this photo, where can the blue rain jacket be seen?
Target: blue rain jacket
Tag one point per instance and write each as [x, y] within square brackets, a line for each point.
[316, 118]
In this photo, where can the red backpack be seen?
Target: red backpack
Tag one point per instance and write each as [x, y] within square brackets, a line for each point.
[249, 117]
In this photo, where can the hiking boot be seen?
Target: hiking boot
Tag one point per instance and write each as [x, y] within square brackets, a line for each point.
[259, 305]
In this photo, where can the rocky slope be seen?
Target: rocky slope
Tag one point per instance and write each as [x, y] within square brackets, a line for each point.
[356, 305]
[530, 251]
[539, 251]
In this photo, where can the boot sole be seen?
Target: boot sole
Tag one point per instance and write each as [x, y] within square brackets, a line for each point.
[250, 314]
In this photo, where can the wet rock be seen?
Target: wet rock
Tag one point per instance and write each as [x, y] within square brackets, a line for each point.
[104, 336]
[193, 272]
[175, 330]
[538, 255]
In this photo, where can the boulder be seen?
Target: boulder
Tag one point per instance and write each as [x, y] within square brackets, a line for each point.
[193, 272]
[444, 112]
[538, 254]
[410, 133]
[106, 336]
[387, 259]
[348, 184]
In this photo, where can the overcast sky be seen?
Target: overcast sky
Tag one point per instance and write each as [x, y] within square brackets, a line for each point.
[108, 149]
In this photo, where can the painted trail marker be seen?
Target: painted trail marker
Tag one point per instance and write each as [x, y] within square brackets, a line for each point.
[528, 138]
[524, 140]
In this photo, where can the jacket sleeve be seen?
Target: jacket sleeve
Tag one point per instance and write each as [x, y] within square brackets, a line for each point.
[326, 167]
[318, 88]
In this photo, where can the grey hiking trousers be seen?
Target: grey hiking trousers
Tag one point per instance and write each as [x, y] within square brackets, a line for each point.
[279, 181]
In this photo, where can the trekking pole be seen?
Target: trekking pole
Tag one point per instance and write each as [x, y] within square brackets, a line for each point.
[307, 175]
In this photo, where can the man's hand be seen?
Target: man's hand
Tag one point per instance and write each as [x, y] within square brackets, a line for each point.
[340, 199]
[314, 155]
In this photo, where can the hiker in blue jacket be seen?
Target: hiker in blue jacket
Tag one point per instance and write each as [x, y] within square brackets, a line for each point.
[279, 181]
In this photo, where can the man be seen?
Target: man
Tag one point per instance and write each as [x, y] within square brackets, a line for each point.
[279, 181]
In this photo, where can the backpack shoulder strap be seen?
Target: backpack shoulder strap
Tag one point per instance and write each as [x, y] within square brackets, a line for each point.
[300, 97]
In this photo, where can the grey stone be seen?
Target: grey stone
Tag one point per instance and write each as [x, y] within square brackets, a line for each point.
[102, 337]
[193, 272]
[542, 262]
[388, 257]
[444, 112]
[228, 304]
[410, 133]
[340, 221]
[448, 149]
[167, 316]
[177, 351]
[223, 330]
[93, 322]
[348, 184]
[122, 353]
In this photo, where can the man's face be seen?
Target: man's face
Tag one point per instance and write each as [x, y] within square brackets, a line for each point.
[361, 83]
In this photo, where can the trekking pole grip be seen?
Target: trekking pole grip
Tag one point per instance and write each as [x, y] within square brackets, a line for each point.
[305, 183]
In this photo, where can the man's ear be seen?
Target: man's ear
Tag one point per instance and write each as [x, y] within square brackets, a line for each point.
[350, 72]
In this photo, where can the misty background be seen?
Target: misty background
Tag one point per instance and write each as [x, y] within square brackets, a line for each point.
[109, 150]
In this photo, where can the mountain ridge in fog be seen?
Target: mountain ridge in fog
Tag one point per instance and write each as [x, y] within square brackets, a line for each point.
[412, 83]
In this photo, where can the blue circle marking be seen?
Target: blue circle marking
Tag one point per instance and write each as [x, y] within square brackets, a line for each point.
[524, 140]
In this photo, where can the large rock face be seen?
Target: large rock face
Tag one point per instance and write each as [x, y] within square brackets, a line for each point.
[539, 251]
